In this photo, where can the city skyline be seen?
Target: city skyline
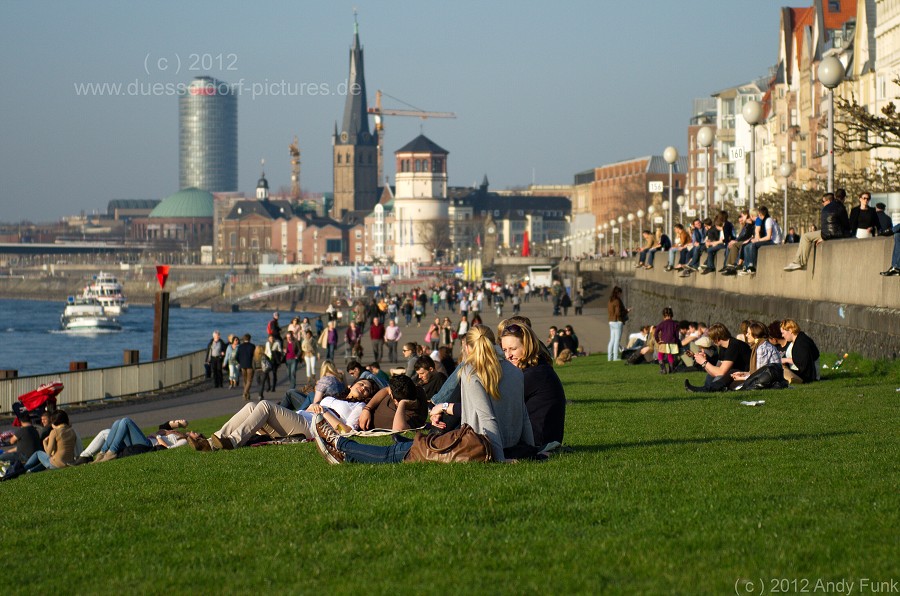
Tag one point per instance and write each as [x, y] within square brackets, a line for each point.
[540, 92]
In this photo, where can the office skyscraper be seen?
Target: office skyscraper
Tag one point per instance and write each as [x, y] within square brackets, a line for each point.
[207, 136]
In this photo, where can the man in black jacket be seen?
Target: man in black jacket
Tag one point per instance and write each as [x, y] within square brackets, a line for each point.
[215, 354]
[245, 361]
[835, 224]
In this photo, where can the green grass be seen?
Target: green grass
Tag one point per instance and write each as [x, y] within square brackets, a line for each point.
[665, 492]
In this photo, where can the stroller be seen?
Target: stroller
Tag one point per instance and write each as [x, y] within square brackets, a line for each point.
[35, 403]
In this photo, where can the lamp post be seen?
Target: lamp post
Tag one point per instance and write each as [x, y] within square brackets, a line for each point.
[705, 139]
[612, 228]
[752, 112]
[667, 209]
[630, 229]
[621, 221]
[699, 197]
[640, 214]
[831, 73]
[785, 170]
[723, 190]
[671, 156]
[650, 210]
[680, 201]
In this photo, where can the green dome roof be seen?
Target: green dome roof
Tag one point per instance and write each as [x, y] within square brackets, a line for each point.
[190, 202]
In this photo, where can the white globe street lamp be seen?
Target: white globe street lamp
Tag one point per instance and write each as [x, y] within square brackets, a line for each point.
[753, 113]
[705, 138]
[668, 211]
[680, 201]
[831, 73]
[640, 214]
[621, 220]
[785, 170]
[723, 190]
[671, 156]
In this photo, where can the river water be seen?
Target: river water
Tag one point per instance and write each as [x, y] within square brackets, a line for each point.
[32, 343]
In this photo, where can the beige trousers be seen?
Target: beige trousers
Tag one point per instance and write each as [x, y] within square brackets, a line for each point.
[266, 416]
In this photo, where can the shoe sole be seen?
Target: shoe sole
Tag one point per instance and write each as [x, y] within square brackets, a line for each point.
[219, 444]
[323, 446]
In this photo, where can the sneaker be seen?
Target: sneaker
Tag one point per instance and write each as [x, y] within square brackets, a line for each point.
[685, 273]
[730, 271]
[199, 443]
[891, 272]
[326, 440]
[793, 266]
[668, 268]
[706, 271]
[744, 272]
[221, 443]
[81, 460]
[703, 268]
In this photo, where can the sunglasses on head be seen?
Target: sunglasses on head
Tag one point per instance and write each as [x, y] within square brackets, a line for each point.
[513, 329]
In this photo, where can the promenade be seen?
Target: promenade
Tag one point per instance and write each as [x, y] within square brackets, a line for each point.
[592, 329]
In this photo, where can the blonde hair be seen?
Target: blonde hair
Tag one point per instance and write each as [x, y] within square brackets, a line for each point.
[530, 342]
[791, 325]
[484, 361]
[328, 368]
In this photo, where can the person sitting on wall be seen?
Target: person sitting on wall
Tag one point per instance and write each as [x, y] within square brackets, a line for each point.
[895, 255]
[835, 225]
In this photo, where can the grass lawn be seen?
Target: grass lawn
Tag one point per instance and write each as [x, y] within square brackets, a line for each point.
[665, 492]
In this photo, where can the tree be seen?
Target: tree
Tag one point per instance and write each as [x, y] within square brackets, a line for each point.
[858, 130]
[435, 236]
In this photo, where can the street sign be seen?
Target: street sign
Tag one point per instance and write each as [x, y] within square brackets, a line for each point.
[658, 219]
[691, 213]
[736, 153]
[740, 202]
[656, 186]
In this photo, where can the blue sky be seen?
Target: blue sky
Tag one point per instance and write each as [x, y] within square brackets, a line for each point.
[541, 90]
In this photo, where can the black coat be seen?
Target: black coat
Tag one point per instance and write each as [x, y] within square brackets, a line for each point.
[835, 223]
[805, 355]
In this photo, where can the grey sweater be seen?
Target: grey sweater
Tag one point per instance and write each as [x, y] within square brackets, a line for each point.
[504, 421]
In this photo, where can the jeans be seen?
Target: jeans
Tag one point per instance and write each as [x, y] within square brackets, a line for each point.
[895, 256]
[651, 255]
[642, 256]
[677, 252]
[377, 349]
[373, 454]
[294, 400]
[615, 338]
[695, 255]
[392, 351]
[711, 255]
[329, 352]
[292, 372]
[752, 250]
[122, 433]
[38, 462]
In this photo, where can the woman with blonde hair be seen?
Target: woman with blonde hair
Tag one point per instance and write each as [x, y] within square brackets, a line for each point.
[492, 402]
[545, 398]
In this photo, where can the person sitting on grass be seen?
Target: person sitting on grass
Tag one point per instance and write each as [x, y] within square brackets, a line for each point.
[545, 397]
[59, 446]
[25, 440]
[266, 418]
[330, 384]
[733, 356]
[399, 406]
[801, 361]
[427, 377]
[762, 353]
[492, 403]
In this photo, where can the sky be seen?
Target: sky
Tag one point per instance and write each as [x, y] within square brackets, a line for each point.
[541, 90]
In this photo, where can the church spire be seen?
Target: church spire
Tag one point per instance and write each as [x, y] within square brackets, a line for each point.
[356, 113]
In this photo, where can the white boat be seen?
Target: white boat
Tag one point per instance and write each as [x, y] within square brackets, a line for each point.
[87, 314]
[107, 290]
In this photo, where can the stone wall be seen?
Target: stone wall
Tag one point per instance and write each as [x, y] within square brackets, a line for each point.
[840, 300]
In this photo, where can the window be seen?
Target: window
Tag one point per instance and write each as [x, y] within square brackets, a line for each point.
[232, 240]
[358, 247]
[339, 158]
[333, 245]
[802, 158]
[834, 6]
[358, 234]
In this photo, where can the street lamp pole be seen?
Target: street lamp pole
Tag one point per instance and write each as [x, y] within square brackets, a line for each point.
[630, 229]
[705, 138]
[723, 190]
[621, 221]
[671, 156]
[640, 214]
[831, 73]
[785, 170]
[752, 112]
[680, 201]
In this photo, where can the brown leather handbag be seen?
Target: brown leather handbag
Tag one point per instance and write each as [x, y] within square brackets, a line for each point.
[460, 445]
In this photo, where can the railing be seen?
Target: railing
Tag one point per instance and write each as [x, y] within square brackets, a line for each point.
[105, 383]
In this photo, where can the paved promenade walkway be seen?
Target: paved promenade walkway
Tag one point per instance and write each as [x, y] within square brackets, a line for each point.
[592, 329]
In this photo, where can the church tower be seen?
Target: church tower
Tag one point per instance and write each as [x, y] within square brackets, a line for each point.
[355, 147]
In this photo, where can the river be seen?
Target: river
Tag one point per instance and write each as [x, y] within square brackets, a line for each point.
[32, 342]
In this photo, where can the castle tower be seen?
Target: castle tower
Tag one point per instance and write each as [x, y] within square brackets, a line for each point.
[355, 147]
[422, 228]
[295, 170]
[262, 187]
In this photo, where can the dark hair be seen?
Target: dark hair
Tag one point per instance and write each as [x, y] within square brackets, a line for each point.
[707, 222]
[519, 319]
[246, 337]
[616, 293]
[423, 362]
[375, 365]
[775, 330]
[840, 194]
[402, 387]
[668, 312]
[411, 346]
[354, 364]
[59, 417]
[719, 332]
[24, 417]
[759, 330]
[763, 210]
[828, 195]
[683, 325]
[881, 206]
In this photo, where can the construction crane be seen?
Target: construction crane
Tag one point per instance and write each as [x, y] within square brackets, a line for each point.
[380, 112]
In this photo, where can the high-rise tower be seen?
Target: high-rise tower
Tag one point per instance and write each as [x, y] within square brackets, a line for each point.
[355, 147]
[207, 136]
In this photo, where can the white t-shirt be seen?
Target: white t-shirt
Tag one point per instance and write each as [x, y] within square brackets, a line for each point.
[347, 411]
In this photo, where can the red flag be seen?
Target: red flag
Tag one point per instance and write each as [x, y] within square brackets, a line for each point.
[478, 240]
[526, 246]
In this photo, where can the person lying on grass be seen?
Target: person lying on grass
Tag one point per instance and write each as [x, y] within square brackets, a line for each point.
[124, 437]
[277, 422]
[492, 402]
[399, 406]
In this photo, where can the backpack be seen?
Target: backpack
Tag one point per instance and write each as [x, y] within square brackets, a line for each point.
[270, 328]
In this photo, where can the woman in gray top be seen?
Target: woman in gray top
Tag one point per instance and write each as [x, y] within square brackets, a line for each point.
[492, 403]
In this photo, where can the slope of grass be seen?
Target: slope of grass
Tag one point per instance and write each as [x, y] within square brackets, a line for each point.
[665, 491]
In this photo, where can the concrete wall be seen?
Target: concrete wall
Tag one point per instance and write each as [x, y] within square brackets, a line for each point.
[840, 300]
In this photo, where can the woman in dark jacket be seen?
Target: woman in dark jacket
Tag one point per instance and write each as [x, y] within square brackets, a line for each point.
[545, 397]
[802, 362]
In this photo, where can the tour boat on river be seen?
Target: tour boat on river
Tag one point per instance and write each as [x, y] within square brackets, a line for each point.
[107, 290]
[87, 314]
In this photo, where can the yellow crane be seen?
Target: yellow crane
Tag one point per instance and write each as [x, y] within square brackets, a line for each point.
[380, 113]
